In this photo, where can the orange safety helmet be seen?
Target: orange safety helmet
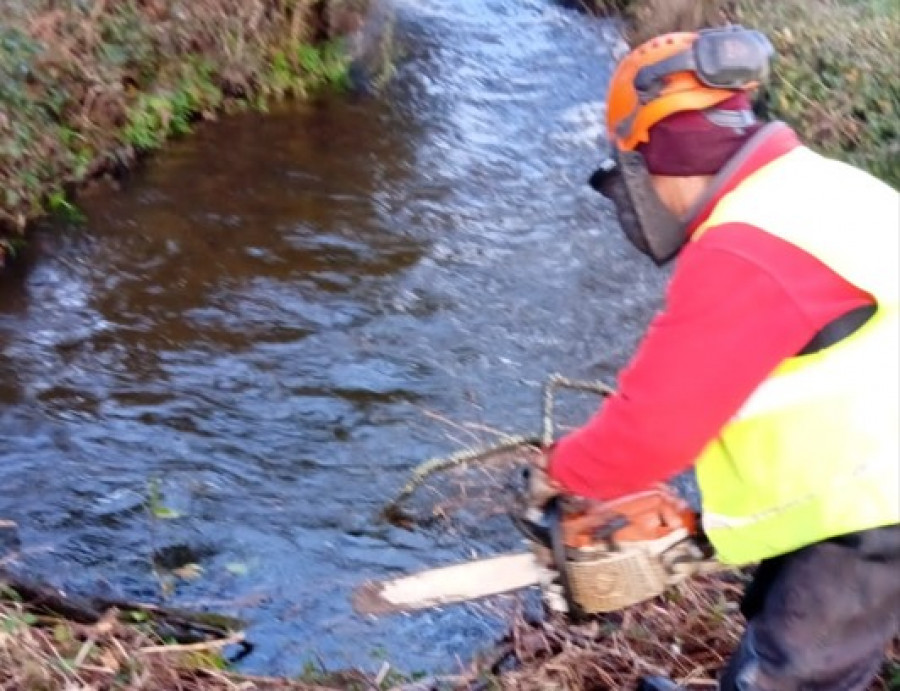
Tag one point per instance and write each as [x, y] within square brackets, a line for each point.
[662, 77]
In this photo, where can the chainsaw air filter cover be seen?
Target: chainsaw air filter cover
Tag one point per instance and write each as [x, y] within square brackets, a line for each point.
[612, 555]
[606, 581]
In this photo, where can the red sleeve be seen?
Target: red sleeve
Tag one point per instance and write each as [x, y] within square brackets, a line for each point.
[739, 303]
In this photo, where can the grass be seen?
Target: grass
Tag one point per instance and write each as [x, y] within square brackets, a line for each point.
[687, 634]
[86, 86]
[45, 652]
[39, 651]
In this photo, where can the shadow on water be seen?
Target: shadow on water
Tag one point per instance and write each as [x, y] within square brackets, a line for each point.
[261, 319]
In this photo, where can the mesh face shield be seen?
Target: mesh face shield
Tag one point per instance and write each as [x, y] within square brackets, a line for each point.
[645, 220]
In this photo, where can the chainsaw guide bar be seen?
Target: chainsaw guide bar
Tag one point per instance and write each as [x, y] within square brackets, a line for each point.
[588, 556]
[450, 584]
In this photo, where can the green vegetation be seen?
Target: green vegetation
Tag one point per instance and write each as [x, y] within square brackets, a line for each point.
[44, 651]
[835, 79]
[85, 86]
[51, 641]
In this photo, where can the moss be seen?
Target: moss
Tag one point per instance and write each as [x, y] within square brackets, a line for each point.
[85, 87]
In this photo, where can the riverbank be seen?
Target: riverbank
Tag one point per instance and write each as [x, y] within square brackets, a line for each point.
[85, 88]
[41, 651]
[688, 634]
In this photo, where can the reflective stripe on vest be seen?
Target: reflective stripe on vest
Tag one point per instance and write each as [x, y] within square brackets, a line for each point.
[815, 451]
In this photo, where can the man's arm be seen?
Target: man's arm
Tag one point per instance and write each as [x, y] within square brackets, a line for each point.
[740, 302]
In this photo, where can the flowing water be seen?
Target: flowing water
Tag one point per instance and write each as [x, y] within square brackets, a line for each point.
[260, 322]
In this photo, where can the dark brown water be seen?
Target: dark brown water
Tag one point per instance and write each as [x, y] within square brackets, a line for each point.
[261, 319]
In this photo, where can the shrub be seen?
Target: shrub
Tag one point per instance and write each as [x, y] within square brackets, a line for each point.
[84, 86]
[835, 79]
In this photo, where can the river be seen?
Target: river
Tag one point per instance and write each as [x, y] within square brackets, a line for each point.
[259, 322]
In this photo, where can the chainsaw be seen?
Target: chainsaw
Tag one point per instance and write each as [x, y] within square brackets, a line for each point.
[588, 557]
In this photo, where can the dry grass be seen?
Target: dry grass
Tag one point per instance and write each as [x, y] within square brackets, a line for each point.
[49, 653]
[687, 635]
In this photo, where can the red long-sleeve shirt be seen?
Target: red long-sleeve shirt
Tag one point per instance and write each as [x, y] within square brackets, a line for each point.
[739, 303]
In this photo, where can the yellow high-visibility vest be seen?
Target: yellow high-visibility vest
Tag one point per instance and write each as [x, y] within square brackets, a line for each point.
[815, 451]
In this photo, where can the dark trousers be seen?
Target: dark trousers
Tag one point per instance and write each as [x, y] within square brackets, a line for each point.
[819, 618]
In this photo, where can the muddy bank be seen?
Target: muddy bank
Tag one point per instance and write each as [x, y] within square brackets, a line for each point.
[86, 87]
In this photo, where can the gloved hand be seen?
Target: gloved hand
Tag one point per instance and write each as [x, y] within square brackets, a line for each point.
[540, 487]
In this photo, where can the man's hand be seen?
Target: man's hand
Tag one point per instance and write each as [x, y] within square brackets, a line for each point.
[541, 488]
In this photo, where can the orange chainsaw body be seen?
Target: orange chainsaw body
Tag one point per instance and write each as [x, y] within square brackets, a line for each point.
[639, 517]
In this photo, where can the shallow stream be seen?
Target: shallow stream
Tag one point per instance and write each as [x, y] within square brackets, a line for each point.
[271, 317]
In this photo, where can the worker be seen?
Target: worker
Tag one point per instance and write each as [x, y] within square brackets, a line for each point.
[772, 369]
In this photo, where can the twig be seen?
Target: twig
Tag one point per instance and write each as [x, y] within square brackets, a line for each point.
[272, 681]
[192, 647]
[450, 423]
[382, 674]
[83, 652]
[430, 683]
